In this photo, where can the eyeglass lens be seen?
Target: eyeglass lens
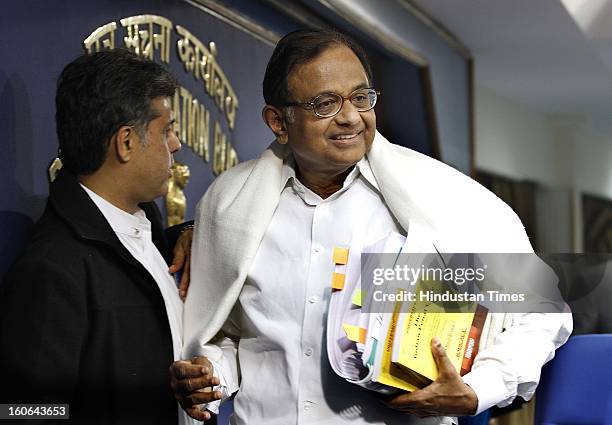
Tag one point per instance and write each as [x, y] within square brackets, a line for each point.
[329, 104]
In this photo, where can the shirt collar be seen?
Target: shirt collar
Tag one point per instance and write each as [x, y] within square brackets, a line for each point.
[133, 225]
[288, 178]
[366, 172]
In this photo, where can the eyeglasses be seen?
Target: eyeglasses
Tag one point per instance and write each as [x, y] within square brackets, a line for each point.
[329, 104]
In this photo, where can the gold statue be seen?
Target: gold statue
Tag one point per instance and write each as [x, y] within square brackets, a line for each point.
[176, 203]
[53, 169]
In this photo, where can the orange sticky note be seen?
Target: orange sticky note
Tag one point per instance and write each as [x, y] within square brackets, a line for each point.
[354, 333]
[337, 281]
[341, 255]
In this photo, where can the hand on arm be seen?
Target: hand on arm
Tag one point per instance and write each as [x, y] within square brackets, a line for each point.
[448, 395]
[188, 379]
[182, 259]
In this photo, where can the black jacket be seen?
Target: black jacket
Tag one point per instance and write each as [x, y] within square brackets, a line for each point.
[83, 322]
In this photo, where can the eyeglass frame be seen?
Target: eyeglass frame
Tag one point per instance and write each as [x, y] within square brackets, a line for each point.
[311, 105]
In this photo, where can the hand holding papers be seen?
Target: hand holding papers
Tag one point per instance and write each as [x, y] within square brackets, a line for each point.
[388, 351]
[448, 395]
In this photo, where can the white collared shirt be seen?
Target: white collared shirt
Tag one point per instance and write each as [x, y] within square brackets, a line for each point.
[134, 232]
[282, 310]
[509, 368]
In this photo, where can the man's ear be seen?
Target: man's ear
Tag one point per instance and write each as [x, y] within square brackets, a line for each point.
[273, 117]
[123, 143]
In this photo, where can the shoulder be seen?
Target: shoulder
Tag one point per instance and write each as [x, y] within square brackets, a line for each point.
[40, 275]
[54, 250]
[433, 181]
[233, 178]
[231, 181]
[452, 203]
[244, 181]
[455, 188]
[225, 188]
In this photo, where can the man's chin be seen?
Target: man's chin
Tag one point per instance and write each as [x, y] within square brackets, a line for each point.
[341, 165]
[160, 194]
[351, 155]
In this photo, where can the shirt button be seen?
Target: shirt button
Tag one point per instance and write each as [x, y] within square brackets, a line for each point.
[317, 248]
[313, 299]
[308, 352]
[308, 404]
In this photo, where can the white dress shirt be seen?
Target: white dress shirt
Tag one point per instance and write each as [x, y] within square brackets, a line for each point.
[134, 232]
[435, 204]
[280, 320]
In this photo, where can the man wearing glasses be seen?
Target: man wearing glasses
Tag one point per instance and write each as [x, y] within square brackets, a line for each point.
[264, 239]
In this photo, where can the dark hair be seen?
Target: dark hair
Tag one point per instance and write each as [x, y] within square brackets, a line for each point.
[299, 47]
[99, 93]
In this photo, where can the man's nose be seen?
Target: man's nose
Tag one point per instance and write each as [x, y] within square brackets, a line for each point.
[348, 114]
[174, 144]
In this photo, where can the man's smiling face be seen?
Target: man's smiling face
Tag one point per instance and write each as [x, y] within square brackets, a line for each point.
[336, 143]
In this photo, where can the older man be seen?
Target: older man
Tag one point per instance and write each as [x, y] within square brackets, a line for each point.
[265, 234]
[90, 314]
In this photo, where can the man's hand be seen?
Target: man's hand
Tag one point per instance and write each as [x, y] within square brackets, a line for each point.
[182, 260]
[188, 379]
[448, 395]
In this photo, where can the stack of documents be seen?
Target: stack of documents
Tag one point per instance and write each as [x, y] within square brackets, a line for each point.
[389, 351]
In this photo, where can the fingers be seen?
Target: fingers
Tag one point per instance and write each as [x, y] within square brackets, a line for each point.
[187, 378]
[447, 395]
[197, 414]
[416, 403]
[445, 367]
[201, 415]
[178, 260]
[183, 369]
[412, 401]
[202, 397]
[182, 250]
[189, 381]
[188, 386]
[393, 399]
[182, 261]
[401, 402]
[184, 285]
[201, 360]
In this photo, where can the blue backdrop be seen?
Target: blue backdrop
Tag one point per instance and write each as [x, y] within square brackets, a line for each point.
[38, 38]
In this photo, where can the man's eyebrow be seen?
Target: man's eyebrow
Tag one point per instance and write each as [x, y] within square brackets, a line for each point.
[360, 86]
[172, 121]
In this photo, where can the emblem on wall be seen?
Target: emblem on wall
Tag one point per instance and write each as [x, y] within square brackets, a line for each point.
[198, 122]
[150, 36]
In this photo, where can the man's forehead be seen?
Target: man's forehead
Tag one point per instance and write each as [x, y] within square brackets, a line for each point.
[163, 107]
[336, 69]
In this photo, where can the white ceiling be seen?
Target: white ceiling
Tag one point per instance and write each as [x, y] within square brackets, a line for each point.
[554, 55]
